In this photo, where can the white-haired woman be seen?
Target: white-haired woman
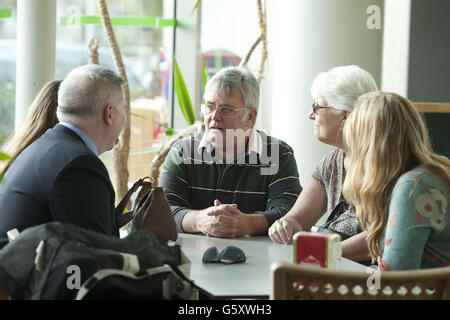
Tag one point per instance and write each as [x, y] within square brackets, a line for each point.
[400, 188]
[335, 93]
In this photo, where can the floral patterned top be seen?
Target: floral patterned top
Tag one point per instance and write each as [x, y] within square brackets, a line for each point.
[418, 229]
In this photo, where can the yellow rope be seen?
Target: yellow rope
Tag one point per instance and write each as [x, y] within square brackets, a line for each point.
[263, 28]
[93, 51]
[261, 39]
[122, 148]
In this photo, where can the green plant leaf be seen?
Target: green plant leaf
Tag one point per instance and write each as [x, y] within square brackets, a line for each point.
[196, 6]
[184, 100]
[169, 132]
[4, 156]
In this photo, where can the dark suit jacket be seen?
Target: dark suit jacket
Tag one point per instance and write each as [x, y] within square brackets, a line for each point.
[57, 178]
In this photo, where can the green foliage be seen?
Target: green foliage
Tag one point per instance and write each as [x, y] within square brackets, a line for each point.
[196, 6]
[169, 132]
[3, 157]
[184, 100]
[7, 109]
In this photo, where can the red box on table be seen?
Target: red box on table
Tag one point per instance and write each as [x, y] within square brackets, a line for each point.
[317, 249]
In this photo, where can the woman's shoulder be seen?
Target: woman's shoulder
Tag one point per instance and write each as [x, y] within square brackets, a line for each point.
[329, 166]
[421, 184]
[331, 159]
[424, 178]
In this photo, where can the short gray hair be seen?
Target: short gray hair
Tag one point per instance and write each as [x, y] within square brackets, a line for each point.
[228, 80]
[342, 86]
[86, 91]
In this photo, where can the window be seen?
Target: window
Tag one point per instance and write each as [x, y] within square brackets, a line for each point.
[146, 49]
[229, 28]
[8, 23]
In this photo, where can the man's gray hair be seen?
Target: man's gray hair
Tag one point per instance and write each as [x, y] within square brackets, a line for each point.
[225, 83]
[86, 91]
[342, 86]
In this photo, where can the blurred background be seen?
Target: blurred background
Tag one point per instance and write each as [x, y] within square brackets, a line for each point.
[404, 44]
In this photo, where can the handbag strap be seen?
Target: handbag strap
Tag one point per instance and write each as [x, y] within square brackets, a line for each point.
[124, 219]
[337, 211]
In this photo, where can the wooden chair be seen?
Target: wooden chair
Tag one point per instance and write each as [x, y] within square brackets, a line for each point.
[299, 282]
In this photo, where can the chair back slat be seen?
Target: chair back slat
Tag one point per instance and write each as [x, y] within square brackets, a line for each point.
[291, 281]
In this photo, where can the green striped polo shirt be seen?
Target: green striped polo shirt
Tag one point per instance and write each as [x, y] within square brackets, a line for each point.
[264, 180]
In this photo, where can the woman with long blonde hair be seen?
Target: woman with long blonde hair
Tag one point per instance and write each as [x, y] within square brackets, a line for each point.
[41, 117]
[400, 188]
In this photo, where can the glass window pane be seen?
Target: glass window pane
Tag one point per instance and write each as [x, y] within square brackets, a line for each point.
[146, 52]
[8, 24]
[229, 28]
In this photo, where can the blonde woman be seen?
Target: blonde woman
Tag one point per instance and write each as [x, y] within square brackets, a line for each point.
[40, 117]
[334, 93]
[400, 188]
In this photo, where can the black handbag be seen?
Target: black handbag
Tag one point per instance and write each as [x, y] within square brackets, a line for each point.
[340, 208]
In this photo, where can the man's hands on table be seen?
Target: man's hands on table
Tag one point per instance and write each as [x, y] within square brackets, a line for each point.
[224, 221]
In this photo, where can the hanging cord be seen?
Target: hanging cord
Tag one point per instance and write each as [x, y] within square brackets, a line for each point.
[93, 51]
[122, 148]
[263, 27]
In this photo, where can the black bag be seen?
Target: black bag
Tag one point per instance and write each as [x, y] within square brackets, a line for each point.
[163, 282]
[340, 208]
[57, 260]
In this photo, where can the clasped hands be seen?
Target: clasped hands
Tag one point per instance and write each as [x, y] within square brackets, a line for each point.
[223, 220]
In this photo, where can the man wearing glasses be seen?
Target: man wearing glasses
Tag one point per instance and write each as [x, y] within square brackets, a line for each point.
[231, 180]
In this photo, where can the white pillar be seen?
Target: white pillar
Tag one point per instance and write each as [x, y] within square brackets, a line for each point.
[309, 37]
[396, 46]
[35, 59]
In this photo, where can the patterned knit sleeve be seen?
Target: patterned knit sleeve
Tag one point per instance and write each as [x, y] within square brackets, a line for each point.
[415, 211]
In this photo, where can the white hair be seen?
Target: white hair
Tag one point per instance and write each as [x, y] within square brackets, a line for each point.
[86, 91]
[342, 86]
[228, 80]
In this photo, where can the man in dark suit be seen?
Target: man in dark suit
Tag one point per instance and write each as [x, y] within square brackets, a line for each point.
[59, 177]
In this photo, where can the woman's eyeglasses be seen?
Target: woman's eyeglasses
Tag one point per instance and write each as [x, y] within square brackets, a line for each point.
[316, 107]
[224, 110]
